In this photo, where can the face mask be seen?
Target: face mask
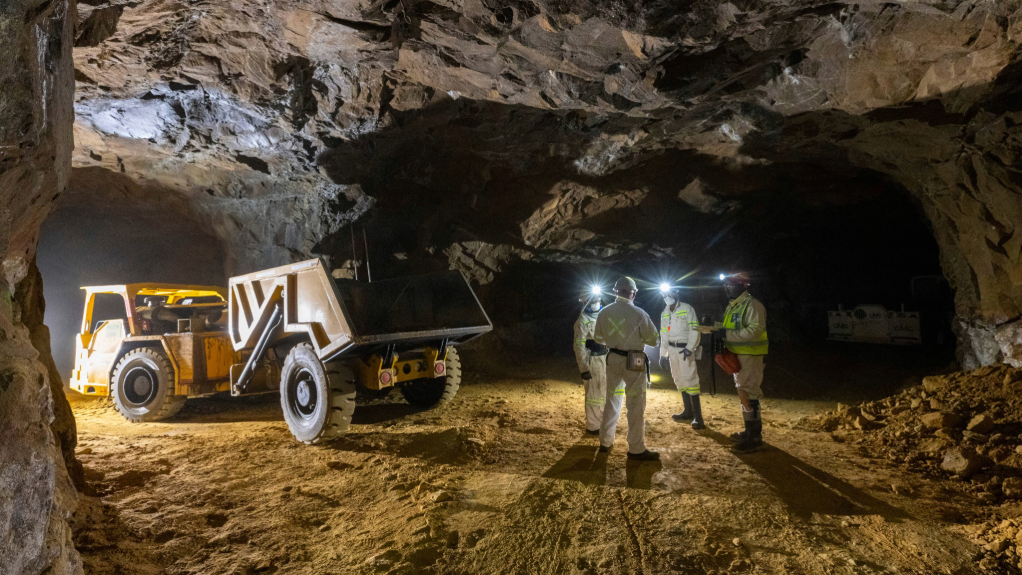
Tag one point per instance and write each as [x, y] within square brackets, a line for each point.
[596, 306]
[669, 300]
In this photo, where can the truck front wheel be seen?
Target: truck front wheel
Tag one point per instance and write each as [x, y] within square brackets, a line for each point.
[143, 386]
[318, 399]
[429, 392]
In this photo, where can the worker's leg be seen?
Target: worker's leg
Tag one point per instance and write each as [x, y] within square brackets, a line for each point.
[635, 403]
[615, 398]
[596, 392]
[688, 383]
[678, 375]
[749, 381]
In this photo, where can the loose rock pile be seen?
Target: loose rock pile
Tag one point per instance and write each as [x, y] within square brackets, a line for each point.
[964, 426]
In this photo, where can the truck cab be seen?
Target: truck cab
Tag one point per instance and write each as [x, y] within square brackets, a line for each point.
[184, 326]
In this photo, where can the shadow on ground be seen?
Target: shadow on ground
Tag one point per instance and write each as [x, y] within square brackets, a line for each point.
[806, 489]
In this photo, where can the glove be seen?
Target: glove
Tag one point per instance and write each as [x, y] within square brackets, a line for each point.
[685, 353]
[586, 376]
[594, 347]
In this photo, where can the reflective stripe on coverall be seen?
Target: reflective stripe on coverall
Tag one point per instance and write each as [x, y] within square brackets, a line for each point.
[623, 326]
[596, 365]
[745, 321]
[679, 327]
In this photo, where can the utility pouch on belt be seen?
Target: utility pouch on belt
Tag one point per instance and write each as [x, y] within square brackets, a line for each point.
[636, 361]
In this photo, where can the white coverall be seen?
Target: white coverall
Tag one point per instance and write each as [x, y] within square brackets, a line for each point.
[751, 336]
[678, 327]
[596, 365]
[623, 326]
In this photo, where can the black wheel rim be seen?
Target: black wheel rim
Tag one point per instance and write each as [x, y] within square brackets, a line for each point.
[140, 385]
[302, 396]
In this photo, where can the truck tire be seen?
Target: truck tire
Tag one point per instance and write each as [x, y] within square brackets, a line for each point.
[318, 399]
[142, 386]
[430, 392]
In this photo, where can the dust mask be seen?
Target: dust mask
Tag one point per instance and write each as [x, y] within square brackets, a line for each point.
[595, 306]
[669, 300]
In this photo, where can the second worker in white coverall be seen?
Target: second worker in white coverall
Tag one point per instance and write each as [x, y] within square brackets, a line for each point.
[625, 329]
[678, 342]
[592, 361]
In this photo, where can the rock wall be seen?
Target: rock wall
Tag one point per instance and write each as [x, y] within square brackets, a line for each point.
[37, 496]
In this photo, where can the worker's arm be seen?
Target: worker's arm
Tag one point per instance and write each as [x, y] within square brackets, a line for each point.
[648, 332]
[600, 330]
[753, 324]
[581, 353]
[665, 326]
[693, 329]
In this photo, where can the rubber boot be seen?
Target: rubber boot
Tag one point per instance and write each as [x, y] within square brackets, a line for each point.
[753, 439]
[685, 415]
[697, 413]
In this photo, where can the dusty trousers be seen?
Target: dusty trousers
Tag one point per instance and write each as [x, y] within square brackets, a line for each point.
[684, 372]
[596, 391]
[627, 388]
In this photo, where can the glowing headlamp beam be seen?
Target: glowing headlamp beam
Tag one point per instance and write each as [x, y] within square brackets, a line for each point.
[665, 287]
[596, 290]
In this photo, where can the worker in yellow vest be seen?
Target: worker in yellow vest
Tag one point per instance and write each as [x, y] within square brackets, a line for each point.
[745, 334]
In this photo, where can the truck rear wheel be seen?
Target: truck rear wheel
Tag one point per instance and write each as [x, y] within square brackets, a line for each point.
[142, 386]
[428, 392]
[318, 399]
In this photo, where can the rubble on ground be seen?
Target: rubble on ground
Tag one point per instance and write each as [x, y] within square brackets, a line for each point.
[964, 427]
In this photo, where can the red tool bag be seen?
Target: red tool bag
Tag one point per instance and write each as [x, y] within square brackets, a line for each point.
[728, 361]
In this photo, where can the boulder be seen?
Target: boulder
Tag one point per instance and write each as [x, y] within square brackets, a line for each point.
[961, 461]
[933, 383]
[1012, 488]
[941, 419]
[981, 423]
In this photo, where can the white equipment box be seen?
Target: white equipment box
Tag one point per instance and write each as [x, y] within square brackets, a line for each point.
[874, 324]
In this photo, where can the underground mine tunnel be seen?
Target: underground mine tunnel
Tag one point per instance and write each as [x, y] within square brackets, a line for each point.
[340, 262]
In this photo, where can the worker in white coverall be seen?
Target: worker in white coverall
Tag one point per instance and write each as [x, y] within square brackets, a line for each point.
[626, 330]
[745, 334]
[592, 363]
[678, 342]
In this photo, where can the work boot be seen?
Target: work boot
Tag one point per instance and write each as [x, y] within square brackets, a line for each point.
[593, 431]
[644, 456]
[685, 415]
[697, 412]
[606, 448]
[752, 437]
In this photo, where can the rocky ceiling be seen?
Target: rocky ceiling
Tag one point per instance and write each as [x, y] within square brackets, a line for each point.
[473, 132]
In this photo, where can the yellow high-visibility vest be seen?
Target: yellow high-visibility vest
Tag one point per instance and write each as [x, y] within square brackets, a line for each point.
[734, 319]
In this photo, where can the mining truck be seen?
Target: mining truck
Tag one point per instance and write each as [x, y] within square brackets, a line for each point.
[292, 328]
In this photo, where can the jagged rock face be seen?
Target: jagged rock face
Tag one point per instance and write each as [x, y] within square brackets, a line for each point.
[37, 496]
[559, 130]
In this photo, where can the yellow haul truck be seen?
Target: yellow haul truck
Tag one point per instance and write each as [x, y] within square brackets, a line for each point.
[292, 328]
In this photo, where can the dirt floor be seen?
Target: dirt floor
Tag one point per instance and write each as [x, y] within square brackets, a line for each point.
[502, 480]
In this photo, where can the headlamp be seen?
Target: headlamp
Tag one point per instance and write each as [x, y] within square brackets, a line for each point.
[664, 288]
[721, 277]
[597, 290]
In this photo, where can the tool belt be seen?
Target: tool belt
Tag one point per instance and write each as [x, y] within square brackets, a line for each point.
[634, 360]
[679, 345]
